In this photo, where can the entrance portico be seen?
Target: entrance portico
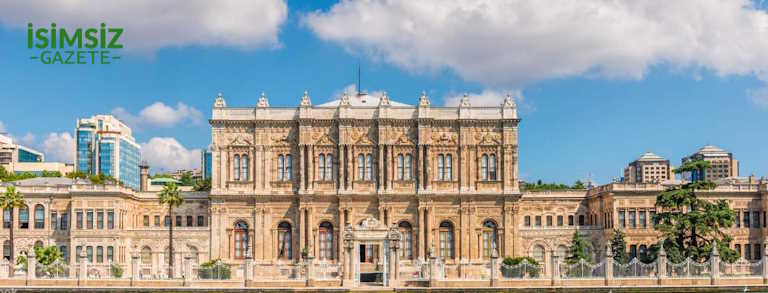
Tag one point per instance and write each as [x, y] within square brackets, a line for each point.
[371, 233]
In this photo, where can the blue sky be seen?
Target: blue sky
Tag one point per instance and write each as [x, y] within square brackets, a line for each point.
[586, 106]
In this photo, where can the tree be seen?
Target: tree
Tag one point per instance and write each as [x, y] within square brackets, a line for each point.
[186, 179]
[77, 175]
[10, 200]
[3, 173]
[577, 251]
[171, 196]
[578, 185]
[202, 185]
[689, 225]
[619, 247]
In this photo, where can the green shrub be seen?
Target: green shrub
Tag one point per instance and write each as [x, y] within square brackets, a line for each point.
[116, 271]
[214, 269]
[511, 267]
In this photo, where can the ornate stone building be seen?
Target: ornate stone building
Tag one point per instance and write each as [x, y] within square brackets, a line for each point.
[312, 182]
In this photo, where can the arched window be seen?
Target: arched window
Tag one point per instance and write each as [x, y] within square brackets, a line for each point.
[484, 167]
[489, 239]
[39, 216]
[24, 217]
[245, 163]
[440, 167]
[446, 239]
[368, 167]
[562, 253]
[408, 167]
[284, 241]
[400, 162]
[538, 254]
[329, 167]
[406, 241]
[448, 167]
[321, 167]
[194, 253]
[288, 167]
[492, 168]
[241, 239]
[360, 167]
[326, 240]
[7, 250]
[146, 256]
[237, 167]
[280, 167]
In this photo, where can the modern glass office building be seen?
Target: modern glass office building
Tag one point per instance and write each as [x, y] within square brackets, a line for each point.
[206, 163]
[105, 146]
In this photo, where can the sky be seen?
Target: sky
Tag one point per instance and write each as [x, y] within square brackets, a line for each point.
[597, 83]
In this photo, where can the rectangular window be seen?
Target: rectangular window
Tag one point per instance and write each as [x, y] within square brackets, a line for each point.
[755, 219]
[79, 219]
[110, 220]
[632, 219]
[570, 220]
[89, 253]
[747, 252]
[89, 220]
[64, 221]
[100, 254]
[167, 221]
[757, 252]
[24, 218]
[54, 221]
[78, 251]
[538, 221]
[560, 220]
[549, 221]
[146, 220]
[737, 247]
[746, 219]
[527, 221]
[7, 219]
[200, 221]
[643, 223]
[581, 220]
[110, 254]
[738, 219]
[100, 220]
[632, 251]
[157, 221]
[622, 222]
[764, 219]
[652, 213]
[190, 221]
[178, 221]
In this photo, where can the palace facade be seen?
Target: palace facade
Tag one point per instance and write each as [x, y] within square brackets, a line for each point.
[296, 183]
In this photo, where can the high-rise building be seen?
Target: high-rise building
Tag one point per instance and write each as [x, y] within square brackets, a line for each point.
[206, 163]
[104, 145]
[648, 168]
[721, 163]
[11, 152]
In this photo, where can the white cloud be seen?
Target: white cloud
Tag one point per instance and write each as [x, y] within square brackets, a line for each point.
[151, 25]
[166, 154]
[511, 44]
[28, 139]
[58, 147]
[351, 89]
[160, 115]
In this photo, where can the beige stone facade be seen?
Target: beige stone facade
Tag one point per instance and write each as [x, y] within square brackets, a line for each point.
[289, 184]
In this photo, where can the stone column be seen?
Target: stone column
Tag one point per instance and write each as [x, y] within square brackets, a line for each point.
[419, 167]
[31, 265]
[393, 264]
[247, 271]
[390, 170]
[714, 262]
[380, 174]
[83, 272]
[349, 167]
[494, 263]
[348, 264]
[187, 269]
[302, 226]
[661, 262]
[302, 166]
[433, 271]
[608, 265]
[555, 268]
[764, 265]
[310, 270]
[134, 266]
[427, 174]
[420, 247]
[310, 168]
[341, 178]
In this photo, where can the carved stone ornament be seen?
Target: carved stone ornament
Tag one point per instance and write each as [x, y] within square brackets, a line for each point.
[263, 103]
[239, 141]
[220, 102]
[323, 139]
[488, 138]
[369, 224]
[361, 137]
[305, 102]
[404, 139]
[384, 100]
[509, 102]
[424, 99]
[281, 138]
[444, 138]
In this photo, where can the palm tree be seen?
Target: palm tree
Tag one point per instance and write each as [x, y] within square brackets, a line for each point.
[171, 196]
[10, 200]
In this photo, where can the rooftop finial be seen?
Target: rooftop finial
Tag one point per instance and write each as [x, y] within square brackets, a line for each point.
[219, 102]
[423, 99]
[509, 101]
[263, 103]
[305, 102]
[384, 101]
[465, 101]
[344, 99]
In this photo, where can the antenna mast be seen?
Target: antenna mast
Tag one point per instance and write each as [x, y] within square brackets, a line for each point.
[358, 77]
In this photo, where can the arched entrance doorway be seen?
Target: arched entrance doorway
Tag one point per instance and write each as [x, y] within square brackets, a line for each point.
[371, 233]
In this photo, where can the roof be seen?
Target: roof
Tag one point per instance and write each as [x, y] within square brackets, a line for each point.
[649, 156]
[164, 180]
[362, 100]
[709, 149]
